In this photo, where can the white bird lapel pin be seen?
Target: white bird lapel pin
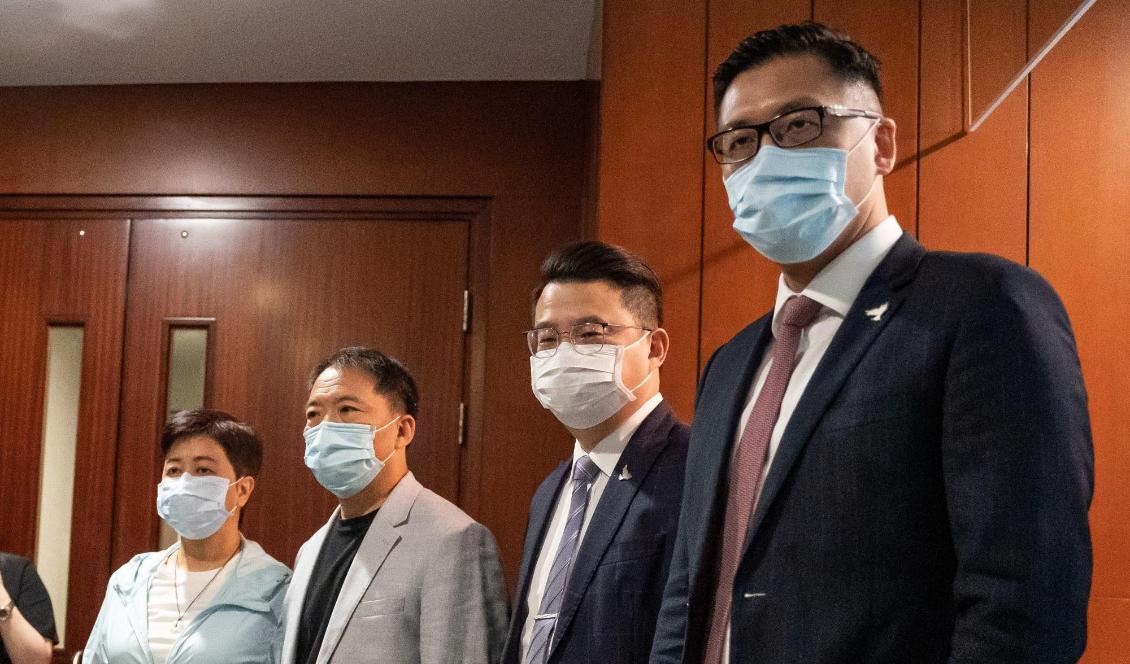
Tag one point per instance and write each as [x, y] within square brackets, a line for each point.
[625, 474]
[876, 314]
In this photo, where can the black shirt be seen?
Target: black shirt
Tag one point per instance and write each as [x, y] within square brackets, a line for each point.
[338, 550]
[30, 596]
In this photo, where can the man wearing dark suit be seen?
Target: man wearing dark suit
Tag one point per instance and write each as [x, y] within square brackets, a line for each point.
[602, 525]
[894, 465]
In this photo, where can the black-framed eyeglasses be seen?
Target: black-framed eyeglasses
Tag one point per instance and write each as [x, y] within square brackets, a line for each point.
[587, 338]
[788, 130]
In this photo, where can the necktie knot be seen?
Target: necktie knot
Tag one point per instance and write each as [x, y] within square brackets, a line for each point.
[799, 311]
[585, 470]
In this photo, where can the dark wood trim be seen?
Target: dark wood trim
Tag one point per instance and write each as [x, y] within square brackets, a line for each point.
[475, 352]
[146, 206]
[180, 323]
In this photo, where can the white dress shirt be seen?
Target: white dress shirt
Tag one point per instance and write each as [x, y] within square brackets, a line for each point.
[606, 454]
[835, 287]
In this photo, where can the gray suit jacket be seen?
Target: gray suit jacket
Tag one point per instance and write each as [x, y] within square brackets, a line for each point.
[425, 586]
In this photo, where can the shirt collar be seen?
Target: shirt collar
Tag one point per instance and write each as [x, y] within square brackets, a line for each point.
[606, 453]
[839, 283]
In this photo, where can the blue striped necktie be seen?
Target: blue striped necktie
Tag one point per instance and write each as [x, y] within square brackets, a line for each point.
[585, 473]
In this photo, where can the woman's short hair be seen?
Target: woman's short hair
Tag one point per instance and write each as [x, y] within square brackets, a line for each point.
[240, 442]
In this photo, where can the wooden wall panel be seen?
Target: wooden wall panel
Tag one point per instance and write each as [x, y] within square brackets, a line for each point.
[972, 188]
[520, 145]
[894, 40]
[738, 285]
[1108, 631]
[457, 139]
[1080, 240]
[651, 156]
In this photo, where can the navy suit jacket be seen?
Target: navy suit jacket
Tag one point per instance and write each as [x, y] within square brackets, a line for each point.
[928, 500]
[613, 594]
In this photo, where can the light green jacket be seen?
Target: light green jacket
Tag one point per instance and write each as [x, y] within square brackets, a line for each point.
[238, 627]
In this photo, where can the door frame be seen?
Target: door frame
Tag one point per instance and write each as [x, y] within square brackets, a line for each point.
[476, 211]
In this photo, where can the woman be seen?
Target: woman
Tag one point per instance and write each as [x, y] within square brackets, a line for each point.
[214, 596]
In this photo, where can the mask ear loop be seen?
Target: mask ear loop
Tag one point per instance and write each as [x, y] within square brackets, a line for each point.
[857, 143]
[642, 382]
[386, 424]
[646, 378]
[230, 485]
[382, 428]
[875, 179]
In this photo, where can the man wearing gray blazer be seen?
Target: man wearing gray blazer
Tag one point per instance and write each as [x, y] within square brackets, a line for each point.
[398, 574]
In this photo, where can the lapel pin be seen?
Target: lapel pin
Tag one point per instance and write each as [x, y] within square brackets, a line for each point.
[625, 474]
[876, 314]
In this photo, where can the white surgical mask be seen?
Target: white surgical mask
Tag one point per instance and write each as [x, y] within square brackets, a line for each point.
[583, 390]
[194, 506]
[341, 455]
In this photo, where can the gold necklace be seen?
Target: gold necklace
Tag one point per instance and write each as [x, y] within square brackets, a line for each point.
[176, 589]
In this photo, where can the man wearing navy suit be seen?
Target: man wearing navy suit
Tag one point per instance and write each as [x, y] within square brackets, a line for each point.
[602, 525]
[895, 464]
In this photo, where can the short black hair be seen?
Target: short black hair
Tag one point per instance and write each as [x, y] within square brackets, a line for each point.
[640, 291]
[240, 442]
[391, 378]
[847, 59]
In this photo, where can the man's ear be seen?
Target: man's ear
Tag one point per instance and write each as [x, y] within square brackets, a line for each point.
[885, 147]
[243, 489]
[405, 431]
[660, 344]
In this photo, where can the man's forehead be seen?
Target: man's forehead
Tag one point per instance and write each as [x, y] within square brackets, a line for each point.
[782, 84]
[576, 302]
[338, 384]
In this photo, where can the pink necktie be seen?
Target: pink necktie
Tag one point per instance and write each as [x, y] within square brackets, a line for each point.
[749, 461]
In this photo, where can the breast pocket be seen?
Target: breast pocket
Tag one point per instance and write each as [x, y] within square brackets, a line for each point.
[854, 414]
[379, 606]
[379, 622]
[634, 549]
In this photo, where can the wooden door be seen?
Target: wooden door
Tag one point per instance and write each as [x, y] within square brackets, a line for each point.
[277, 295]
[69, 272]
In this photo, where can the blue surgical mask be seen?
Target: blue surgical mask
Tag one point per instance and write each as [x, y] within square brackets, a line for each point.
[194, 506]
[341, 456]
[790, 204]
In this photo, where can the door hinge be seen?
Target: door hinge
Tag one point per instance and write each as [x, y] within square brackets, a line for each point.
[462, 423]
[466, 311]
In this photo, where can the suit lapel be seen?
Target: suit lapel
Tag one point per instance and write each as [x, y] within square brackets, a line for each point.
[856, 333]
[718, 410]
[541, 511]
[720, 405]
[296, 593]
[378, 543]
[639, 456]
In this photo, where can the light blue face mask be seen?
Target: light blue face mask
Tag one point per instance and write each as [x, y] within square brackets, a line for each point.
[789, 204]
[194, 505]
[341, 456]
